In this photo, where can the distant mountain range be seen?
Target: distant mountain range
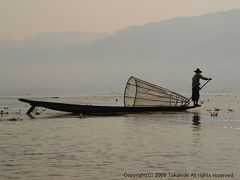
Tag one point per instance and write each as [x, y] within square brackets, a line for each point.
[175, 46]
[45, 46]
[210, 37]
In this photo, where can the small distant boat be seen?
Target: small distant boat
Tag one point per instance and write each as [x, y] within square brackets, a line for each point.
[139, 97]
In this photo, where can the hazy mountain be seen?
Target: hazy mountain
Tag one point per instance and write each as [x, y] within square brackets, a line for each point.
[57, 39]
[214, 36]
[45, 46]
[164, 52]
[6, 45]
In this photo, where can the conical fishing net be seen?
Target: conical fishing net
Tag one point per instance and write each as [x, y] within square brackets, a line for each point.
[139, 93]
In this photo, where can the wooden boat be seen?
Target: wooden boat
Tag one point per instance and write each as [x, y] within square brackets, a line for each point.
[98, 110]
[139, 96]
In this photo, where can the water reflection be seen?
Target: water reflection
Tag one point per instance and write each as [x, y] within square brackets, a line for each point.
[196, 121]
[196, 145]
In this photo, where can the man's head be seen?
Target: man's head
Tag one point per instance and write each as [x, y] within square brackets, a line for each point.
[198, 71]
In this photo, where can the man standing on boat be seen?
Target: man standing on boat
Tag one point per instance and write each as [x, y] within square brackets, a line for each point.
[196, 86]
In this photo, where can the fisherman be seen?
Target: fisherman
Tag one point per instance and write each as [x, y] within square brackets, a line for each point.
[196, 86]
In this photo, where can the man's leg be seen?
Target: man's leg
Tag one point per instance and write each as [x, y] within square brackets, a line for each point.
[195, 103]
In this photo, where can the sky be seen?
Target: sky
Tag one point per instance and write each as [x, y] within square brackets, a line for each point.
[20, 19]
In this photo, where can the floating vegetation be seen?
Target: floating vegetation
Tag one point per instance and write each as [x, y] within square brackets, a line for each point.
[37, 113]
[54, 97]
[12, 119]
[3, 112]
[15, 119]
[214, 114]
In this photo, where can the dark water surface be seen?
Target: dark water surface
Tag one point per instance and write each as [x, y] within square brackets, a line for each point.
[56, 145]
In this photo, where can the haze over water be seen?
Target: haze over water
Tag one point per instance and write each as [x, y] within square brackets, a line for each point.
[56, 145]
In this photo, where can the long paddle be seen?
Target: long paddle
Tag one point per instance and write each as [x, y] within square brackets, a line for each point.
[205, 84]
[200, 89]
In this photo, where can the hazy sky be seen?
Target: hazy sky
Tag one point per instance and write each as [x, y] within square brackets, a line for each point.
[24, 18]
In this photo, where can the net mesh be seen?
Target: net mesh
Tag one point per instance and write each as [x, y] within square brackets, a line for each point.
[139, 93]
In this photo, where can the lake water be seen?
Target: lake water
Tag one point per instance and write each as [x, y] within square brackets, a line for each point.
[202, 143]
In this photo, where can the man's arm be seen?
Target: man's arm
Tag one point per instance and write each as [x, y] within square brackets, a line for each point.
[204, 78]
